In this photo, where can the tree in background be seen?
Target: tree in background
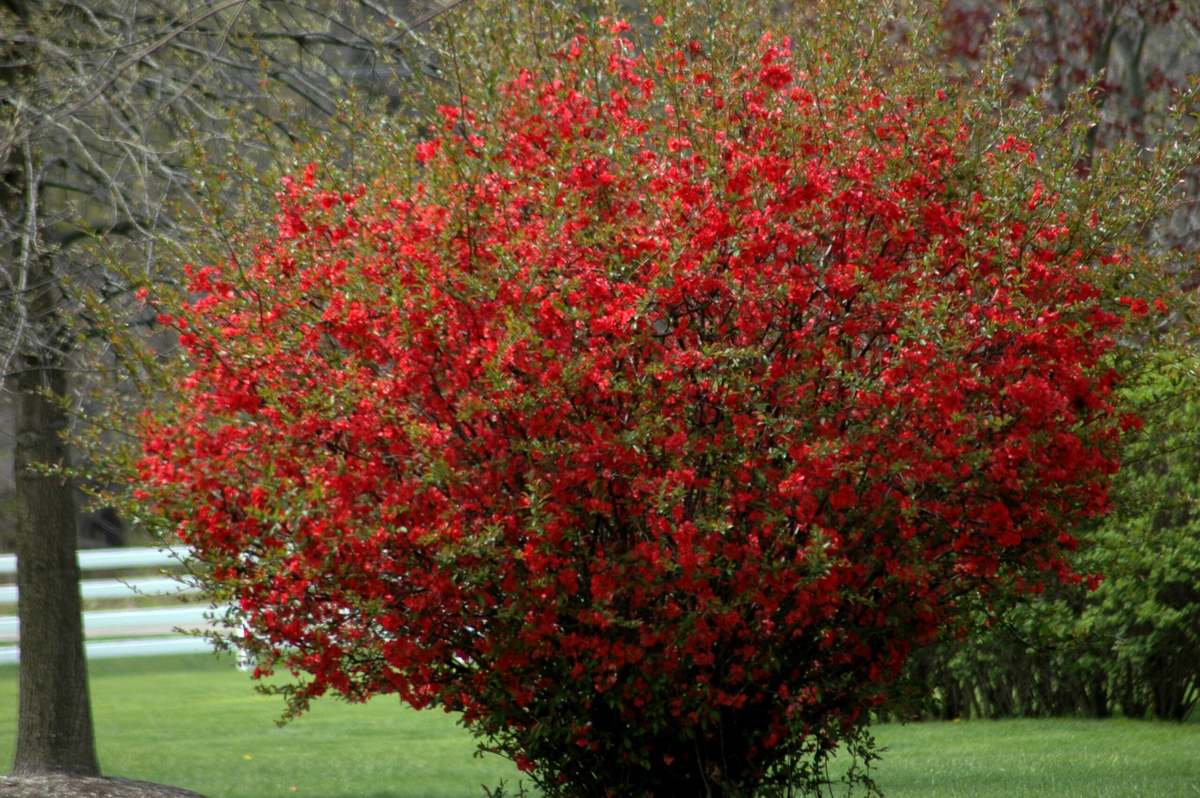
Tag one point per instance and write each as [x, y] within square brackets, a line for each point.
[1148, 610]
[101, 100]
[1132, 57]
[653, 404]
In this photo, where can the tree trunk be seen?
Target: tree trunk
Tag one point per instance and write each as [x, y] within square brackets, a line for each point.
[54, 716]
[54, 728]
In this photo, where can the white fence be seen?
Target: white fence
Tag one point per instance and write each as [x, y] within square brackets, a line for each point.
[125, 632]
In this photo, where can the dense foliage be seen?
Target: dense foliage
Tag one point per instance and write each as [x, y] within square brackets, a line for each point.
[1131, 646]
[658, 403]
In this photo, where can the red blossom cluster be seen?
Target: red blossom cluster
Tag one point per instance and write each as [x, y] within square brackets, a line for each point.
[650, 413]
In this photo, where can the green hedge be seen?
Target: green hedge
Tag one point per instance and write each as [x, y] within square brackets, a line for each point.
[1132, 646]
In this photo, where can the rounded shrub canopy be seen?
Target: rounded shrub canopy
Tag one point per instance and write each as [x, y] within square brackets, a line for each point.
[649, 410]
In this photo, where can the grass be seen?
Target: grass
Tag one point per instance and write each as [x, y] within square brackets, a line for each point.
[1040, 759]
[196, 722]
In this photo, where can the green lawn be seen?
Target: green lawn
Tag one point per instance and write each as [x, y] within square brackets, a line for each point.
[196, 722]
[1040, 759]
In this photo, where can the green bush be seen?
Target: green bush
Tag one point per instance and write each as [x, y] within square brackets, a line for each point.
[1133, 644]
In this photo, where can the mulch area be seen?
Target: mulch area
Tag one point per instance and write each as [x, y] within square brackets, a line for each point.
[58, 786]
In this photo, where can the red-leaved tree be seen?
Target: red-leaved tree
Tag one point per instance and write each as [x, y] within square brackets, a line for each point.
[655, 405]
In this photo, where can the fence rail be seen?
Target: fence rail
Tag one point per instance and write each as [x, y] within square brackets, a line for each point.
[111, 559]
[142, 632]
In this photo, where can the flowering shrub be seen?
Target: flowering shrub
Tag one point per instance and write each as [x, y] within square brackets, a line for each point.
[650, 411]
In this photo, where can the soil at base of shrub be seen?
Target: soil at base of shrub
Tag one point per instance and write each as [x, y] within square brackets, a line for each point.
[60, 786]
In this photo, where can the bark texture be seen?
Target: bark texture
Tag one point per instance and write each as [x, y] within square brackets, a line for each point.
[54, 732]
